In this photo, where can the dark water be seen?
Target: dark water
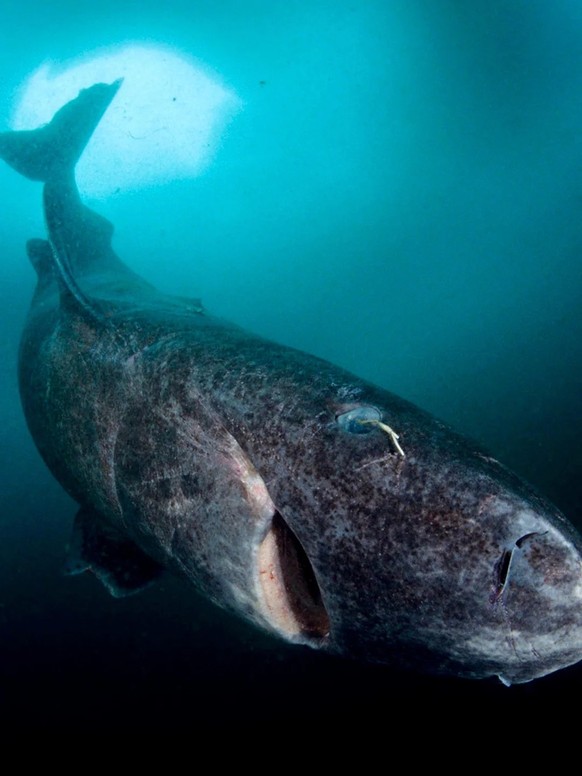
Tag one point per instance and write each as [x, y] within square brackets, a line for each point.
[401, 195]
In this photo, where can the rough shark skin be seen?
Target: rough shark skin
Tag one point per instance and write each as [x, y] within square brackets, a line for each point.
[269, 478]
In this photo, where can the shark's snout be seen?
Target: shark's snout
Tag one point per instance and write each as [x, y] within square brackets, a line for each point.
[510, 555]
[536, 600]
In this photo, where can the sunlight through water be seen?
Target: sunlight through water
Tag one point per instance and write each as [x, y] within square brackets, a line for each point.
[164, 124]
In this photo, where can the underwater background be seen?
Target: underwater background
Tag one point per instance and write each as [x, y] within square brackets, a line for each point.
[398, 190]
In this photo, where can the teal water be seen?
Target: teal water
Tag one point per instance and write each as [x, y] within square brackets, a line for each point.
[400, 194]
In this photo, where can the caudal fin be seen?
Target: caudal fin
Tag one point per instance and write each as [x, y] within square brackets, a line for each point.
[48, 153]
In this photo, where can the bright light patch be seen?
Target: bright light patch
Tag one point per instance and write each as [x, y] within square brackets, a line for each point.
[164, 123]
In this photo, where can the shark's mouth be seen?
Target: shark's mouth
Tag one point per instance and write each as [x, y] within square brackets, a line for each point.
[290, 593]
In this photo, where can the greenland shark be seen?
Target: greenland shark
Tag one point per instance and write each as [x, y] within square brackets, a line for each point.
[320, 507]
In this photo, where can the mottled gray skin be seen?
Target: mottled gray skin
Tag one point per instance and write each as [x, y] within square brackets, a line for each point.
[184, 436]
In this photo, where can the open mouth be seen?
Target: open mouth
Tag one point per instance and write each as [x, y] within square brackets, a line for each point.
[290, 592]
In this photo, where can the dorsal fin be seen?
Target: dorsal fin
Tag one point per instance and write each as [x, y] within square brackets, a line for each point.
[41, 257]
[71, 294]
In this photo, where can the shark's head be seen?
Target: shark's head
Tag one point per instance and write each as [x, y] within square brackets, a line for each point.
[414, 549]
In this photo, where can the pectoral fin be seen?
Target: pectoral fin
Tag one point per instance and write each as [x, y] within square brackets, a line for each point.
[115, 560]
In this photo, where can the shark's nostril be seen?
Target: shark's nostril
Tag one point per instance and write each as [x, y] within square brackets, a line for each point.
[521, 541]
[502, 568]
[503, 565]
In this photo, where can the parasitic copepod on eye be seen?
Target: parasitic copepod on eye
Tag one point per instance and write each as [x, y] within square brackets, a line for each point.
[362, 420]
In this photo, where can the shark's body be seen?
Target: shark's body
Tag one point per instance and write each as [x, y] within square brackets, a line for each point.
[271, 479]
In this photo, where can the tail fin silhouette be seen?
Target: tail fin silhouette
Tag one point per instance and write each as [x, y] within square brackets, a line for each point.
[52, 151]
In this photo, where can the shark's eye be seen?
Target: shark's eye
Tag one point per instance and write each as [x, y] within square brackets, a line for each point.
[360, 420]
